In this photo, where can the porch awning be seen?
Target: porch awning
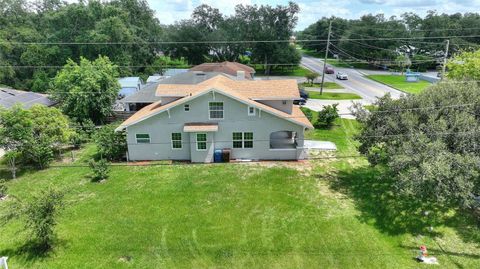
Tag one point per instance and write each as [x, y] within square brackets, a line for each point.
[194, 127]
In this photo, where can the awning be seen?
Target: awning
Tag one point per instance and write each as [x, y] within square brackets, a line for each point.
[200, 127]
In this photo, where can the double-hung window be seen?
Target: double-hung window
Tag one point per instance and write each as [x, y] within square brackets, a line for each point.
[186, 108]
[142, 138]
[176, 140]
[215, 110]
[251, 111]
[242, 140]
[201, 142]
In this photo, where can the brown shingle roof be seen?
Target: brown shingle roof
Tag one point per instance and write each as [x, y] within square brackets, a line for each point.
[245, 91]
[229, 68]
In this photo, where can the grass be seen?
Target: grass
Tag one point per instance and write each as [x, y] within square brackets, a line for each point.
[297, 71]
[323, 214]
[326, 85]
[333, 95]
[399, 83]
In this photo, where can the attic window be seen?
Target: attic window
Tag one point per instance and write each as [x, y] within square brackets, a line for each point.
[284, 102]
[186, 107]
[251, 111]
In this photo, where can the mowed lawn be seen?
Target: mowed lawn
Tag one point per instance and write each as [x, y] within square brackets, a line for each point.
[326, 85]
[398, 82]
[314, 94]
[316, 214]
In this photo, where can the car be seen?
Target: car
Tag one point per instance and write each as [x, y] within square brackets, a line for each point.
[300, 101]
[342, 76]
[329, 70]
[303, 93]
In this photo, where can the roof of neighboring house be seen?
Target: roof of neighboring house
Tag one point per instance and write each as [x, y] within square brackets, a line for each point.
[148, 93]
[284, 89]
[229, 68]
[229, 87]
[174, 71]
[9, 97]
[128, 82]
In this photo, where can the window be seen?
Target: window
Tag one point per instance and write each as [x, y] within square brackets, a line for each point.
[201, 141]
[251, 111]
[242, 140]
[215, 110]
[142, 138]
[237, 140]
[186, 108]
[176, 140]
[284, 102]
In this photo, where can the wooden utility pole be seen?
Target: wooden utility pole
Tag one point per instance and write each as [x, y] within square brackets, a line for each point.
[445, 59]
[326, 55]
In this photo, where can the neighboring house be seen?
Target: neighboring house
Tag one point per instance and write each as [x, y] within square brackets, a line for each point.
[155, 78]
[254, 120]
[174, 71]
[129, 86]
[239, 70]
[147, 94]
[10, 97]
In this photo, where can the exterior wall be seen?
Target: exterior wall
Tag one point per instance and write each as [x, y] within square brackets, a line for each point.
[236, 119]
[278, 104]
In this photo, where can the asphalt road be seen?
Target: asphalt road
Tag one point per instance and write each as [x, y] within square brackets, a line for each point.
[366, 88]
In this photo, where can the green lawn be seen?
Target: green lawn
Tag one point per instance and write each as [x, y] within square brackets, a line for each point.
[297, 71]
[398, 82]
[332, 95]
[327, 213]
[326, 85]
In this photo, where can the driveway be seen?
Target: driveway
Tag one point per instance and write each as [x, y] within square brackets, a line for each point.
[357, 83]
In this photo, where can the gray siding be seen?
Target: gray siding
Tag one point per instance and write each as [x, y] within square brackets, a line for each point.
[278, 104]
[236, 119]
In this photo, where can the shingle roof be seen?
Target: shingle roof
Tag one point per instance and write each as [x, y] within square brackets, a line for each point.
[253, 89]
[230, 68]
[234, 89]
[9, 97]
[145, 95]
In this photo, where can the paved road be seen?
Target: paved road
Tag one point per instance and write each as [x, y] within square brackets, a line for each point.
[366, 88]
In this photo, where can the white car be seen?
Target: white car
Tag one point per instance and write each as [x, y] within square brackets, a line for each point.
[342, 76]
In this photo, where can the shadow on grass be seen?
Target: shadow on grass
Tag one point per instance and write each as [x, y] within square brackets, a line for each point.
[31, 252]
[379, 203]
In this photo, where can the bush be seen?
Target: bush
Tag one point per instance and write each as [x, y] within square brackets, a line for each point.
[100, 170]
[308, 113]
[111, 145]
[41, 214]
[311, 76]
[327, 116]
[78, 138]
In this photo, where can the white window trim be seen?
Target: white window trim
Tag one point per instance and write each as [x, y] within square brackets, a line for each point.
[243, 140]
[184, 106]
[254, 111]
[206, 142]
[223, 110]
[149, 138]
[181, 141]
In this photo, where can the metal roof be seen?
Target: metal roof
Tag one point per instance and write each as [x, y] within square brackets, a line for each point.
[9, 97]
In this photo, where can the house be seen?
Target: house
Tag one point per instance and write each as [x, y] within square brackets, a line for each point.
[10, 97]
[253, 120]
[129, 86]
[147, 95]
[230, 68]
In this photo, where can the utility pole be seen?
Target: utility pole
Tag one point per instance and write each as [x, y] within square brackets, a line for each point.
[445, 59]
[326, 55]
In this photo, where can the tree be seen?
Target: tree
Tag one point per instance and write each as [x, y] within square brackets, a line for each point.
[311, 76]
[327, 116]
[87, 90]
[403, 62]
[15, 133]
[431, 154]
[111, 145]
[465, 66]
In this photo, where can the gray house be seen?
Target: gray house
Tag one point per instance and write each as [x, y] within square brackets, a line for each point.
[254, 120]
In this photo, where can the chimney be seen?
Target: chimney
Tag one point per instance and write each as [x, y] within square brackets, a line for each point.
[240, 75]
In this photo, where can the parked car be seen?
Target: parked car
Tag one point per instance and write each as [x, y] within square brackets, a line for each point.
[303, 94]
[300, 101]
[342, 76]
[329, 70]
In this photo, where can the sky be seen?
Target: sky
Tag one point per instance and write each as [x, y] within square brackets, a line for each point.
[169, 11]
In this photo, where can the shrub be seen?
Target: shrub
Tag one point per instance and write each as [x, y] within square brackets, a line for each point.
[41, 216]
[311, 76]
[308, 113]
[78, 138]
[100, 170]
[327, 116]
[111, 145]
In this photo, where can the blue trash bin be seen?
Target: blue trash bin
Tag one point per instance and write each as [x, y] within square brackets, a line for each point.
[217, 156]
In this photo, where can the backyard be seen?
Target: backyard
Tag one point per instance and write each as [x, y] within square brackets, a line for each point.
[323, 213]
[398, 82]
